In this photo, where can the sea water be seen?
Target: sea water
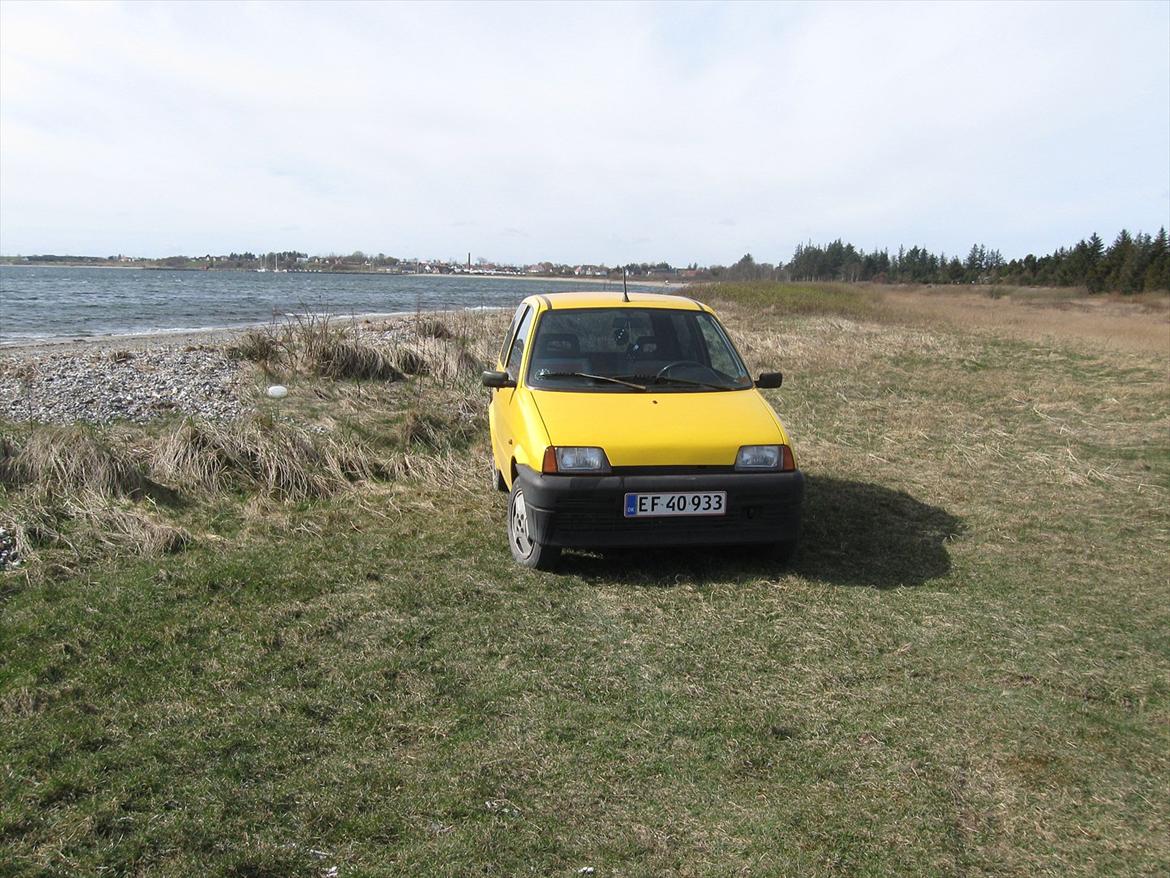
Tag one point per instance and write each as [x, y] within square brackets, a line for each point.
[66, 302]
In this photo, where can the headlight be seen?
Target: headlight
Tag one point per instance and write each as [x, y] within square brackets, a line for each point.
[575, 459]
[765, 458]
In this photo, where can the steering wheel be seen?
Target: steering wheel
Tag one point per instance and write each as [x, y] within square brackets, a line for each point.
[671, 365]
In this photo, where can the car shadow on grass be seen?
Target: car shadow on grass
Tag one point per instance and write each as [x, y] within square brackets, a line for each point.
[855, 534]
[859, 533]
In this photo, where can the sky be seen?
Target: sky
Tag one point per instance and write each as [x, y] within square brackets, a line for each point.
[579, 133]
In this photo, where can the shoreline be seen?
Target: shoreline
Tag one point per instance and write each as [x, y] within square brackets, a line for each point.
[462, 276]
[207, 336]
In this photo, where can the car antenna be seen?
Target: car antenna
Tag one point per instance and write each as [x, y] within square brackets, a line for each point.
[625, 292]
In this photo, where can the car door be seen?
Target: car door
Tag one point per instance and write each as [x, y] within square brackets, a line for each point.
[503, 411]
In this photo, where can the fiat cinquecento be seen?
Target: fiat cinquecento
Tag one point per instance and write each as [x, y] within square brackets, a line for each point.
[625, 420]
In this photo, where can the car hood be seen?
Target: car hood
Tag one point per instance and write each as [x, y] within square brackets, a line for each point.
[660, 429]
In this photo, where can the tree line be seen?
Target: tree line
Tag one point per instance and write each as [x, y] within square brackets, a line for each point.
[1133, 263]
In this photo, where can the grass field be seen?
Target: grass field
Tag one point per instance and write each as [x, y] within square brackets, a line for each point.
[965, 670]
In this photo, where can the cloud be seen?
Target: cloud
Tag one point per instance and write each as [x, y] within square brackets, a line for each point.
[608, 133]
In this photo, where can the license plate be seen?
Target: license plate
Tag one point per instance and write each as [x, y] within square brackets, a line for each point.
[680, 503]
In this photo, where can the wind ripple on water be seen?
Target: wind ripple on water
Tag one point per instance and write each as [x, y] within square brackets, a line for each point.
[38, 302]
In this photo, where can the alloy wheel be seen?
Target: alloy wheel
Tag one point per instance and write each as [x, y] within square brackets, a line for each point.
[518, 525]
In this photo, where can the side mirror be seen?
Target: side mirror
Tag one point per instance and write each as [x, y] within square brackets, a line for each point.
[769, 380]
[498, 379]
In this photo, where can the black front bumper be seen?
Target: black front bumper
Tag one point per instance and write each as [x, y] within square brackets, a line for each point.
[588, 511]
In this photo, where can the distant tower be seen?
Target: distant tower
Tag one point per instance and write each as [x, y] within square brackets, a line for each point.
[469, 259]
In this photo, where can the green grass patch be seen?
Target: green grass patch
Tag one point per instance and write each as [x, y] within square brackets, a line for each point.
[791, 299]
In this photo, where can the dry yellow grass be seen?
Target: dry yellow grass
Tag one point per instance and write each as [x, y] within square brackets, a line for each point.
[1121, 323]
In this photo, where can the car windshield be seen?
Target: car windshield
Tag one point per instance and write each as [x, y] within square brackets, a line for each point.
[629, 350]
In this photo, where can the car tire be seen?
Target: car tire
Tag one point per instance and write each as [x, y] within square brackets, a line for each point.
[526, 550]
[498, 483]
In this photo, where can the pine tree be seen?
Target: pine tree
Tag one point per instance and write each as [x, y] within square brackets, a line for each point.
[1096, 249]
[1157, 276]
[1115, 258]
[1092, 275]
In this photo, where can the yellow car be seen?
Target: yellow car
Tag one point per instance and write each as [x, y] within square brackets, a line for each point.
[631, 420]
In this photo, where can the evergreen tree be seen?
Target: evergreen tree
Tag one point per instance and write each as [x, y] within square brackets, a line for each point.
[1157, 276]
[1132, 263]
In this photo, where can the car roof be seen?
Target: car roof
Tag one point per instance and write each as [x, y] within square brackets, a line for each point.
[615, 299]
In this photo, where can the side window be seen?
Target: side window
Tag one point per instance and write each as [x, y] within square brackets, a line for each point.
[511, 331]
[517, 353]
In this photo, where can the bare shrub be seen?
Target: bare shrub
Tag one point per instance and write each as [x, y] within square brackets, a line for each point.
[309, 333]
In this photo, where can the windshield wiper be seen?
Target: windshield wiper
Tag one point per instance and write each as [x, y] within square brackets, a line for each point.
[655, 379]
[594, 377]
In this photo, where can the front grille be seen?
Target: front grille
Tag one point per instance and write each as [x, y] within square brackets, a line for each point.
[702, 470]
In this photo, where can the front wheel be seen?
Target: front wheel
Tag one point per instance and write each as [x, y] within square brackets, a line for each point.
[498, 483]
[525, 548]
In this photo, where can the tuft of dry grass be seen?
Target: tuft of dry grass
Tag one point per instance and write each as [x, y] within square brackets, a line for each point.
[276, 457]
[122, 527]
[263, 346]
[446, 363]
[96, 492]
[72, 460]
[31, 518]
[410, 361]
[287, 461]
[339, 357]
[9, 449]
[319, 345]
[89, 525]
[432, 327]
[194, 457]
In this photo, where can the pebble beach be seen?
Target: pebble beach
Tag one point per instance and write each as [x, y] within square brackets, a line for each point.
[121, 378]
[137, 378]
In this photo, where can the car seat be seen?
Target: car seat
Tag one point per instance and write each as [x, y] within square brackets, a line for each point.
[558, 352]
